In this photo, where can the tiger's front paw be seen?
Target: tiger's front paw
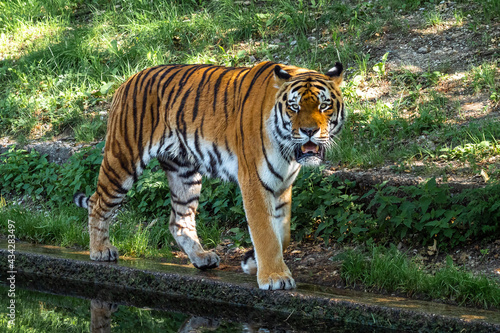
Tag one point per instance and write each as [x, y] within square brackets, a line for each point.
[275, 281]
[206, 260]
[104, 253]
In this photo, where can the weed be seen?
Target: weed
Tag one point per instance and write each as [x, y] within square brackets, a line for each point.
[379, 67]
[433, 18]
[459, 17]
[362, 62]
[90, 131]
[485, 77]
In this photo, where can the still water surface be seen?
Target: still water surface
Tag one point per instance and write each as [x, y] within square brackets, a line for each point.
[38, 311]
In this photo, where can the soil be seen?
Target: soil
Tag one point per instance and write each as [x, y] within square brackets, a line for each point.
[446, 47]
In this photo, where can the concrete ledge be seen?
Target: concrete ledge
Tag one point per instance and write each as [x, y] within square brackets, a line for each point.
[215, 293]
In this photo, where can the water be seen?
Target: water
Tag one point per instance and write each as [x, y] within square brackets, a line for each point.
[53, 310]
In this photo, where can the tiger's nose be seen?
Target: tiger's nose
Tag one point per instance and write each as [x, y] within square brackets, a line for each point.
[309, 131]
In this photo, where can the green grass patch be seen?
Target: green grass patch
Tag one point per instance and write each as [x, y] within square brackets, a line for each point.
[63, 227]
[64, 59]
[389, 270]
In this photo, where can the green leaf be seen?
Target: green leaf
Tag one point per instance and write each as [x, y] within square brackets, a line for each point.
[105, 88]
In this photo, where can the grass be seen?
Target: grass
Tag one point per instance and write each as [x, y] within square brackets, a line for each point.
[63, 58]
[66, 226]
[389, 270]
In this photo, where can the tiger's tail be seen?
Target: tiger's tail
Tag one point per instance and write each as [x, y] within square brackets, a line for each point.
[81, 200]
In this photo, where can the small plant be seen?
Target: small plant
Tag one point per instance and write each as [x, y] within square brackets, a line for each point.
[433, 18]
[484, 252]
[90, 131]
[485, 77]
[362, 62]
[240, 237]
[459, 17]
[432, 77]
[379, 67]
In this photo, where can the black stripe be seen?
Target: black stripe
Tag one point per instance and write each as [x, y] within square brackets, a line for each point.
[197, 145]
[118, 185]
[170, 79]
[195, 182]
[108, 194]
[216, 89]
[145, 76]
[281, 205]
[180, 215]
[213, 165]
[128, 145]
[269, 166]
[134, 103]
[155, 75]
[236, 92]
[241, 109]
[123, 128]
[167, 166]
[280, 134]
[82, 201]
[292, 174]
[183, 80]
[264, 185]
[98, 213]
[155, 116]
[111, 205]
[342, 113]
[186, 202]
[198, 93]
[217, 153]
[296, 88]
[255, 78]
[181, 123]
[188, 174]
[141, 125]
[322, 88]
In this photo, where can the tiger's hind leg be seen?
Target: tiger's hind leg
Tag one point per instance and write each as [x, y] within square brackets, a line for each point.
[112, 186]
[185, 186]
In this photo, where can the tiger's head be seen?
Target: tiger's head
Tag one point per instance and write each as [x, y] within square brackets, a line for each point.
[309, 112]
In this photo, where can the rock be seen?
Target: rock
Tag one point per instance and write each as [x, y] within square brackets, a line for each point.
[423, 50]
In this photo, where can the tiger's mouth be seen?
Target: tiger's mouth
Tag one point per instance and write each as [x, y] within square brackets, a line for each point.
[309, 153]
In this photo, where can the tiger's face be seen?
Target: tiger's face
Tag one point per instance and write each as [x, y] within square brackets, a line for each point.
[313, 113]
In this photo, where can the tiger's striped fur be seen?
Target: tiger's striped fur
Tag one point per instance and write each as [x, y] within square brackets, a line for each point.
[253, 126]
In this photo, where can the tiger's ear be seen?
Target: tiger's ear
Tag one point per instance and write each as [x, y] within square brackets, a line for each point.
[280, 75]
[335, 73]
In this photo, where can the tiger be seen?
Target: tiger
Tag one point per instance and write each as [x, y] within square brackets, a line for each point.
[254, 126]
